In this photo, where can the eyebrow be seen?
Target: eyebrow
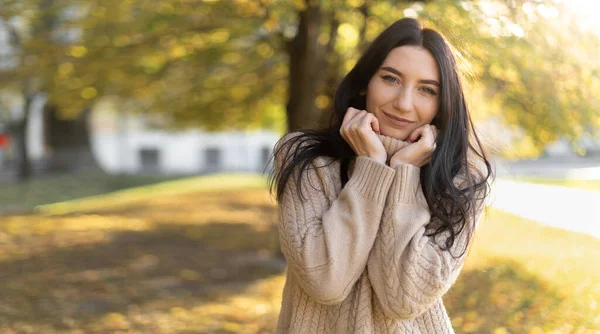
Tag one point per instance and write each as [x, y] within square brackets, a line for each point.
[398, 73]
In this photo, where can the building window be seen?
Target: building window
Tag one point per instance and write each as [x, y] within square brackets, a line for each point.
[212, 158]
[149, 158]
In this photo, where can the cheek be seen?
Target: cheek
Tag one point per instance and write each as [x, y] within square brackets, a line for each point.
[372, 96]
[434, 111]
[428, 110]
[378, 95]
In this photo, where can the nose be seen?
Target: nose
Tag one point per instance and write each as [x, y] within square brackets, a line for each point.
[403, 100]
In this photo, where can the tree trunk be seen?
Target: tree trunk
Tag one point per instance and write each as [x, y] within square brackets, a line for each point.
[362, 39]
[20, 135]
[70, 143]
[307, 72]
[315, 68]
[334, 69]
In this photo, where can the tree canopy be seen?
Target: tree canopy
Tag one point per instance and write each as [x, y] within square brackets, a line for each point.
[272, 63]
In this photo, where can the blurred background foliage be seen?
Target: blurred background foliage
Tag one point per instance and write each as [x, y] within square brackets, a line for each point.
[201, 254]
[244, 64]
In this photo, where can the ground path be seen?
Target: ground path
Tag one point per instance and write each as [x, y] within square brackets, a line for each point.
[569, 208]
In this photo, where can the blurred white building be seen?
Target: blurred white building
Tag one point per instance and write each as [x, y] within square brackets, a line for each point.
[132, 144]
[123, 143]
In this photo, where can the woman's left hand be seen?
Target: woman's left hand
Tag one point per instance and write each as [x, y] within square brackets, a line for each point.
[418, 153]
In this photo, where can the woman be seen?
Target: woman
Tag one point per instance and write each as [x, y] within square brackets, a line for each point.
[377, 211]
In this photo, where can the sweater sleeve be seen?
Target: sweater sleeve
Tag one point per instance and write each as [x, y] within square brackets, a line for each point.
[407, 269]
[326, 239]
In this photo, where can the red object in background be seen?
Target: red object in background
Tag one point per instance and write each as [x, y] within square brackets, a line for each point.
[4, 140]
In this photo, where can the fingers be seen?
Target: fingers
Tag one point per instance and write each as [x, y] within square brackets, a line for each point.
[348, 121]
[418, 132]
[375, 124]
[420, 152]
[359, 120]
[426, 135]
[425, 131]
[358, 129]
[429, 137]
[350, 113]
[363, 124]
[436, 131]
[353, 118]
[356, 124]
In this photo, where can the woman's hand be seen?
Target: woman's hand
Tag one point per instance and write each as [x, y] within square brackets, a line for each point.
[358, 130]
[417, 153]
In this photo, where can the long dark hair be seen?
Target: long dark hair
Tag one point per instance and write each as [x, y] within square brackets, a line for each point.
[459, 149]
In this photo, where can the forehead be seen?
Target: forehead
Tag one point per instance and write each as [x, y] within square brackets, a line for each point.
[413, 61]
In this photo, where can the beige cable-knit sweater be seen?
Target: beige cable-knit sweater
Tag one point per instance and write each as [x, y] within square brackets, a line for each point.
[358, 258]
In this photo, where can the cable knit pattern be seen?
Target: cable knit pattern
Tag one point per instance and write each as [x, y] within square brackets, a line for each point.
[358, 258]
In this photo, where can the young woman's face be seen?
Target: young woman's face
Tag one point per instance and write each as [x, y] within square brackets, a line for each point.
[404, 92]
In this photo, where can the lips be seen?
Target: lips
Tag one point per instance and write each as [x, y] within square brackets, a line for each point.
[399, 121]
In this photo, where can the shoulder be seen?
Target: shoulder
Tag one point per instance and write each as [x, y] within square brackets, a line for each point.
[288, 143]
[294, 148]
[289, 136]
[292, 143]
[294, 139]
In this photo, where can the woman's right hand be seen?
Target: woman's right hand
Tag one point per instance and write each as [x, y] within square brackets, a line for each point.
[358, 130]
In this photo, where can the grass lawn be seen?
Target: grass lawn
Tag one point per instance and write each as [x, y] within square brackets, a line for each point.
[202, 260]
[593, 185]
[19, 197]
[68, 189]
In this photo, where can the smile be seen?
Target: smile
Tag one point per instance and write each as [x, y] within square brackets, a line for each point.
[402, 122]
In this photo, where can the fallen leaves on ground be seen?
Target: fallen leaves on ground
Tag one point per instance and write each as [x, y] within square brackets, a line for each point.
[209, 262]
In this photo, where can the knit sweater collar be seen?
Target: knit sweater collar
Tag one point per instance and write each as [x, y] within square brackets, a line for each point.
[391, 144]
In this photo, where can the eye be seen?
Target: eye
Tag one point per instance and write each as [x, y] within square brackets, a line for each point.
[429, 90]
[389, 79]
